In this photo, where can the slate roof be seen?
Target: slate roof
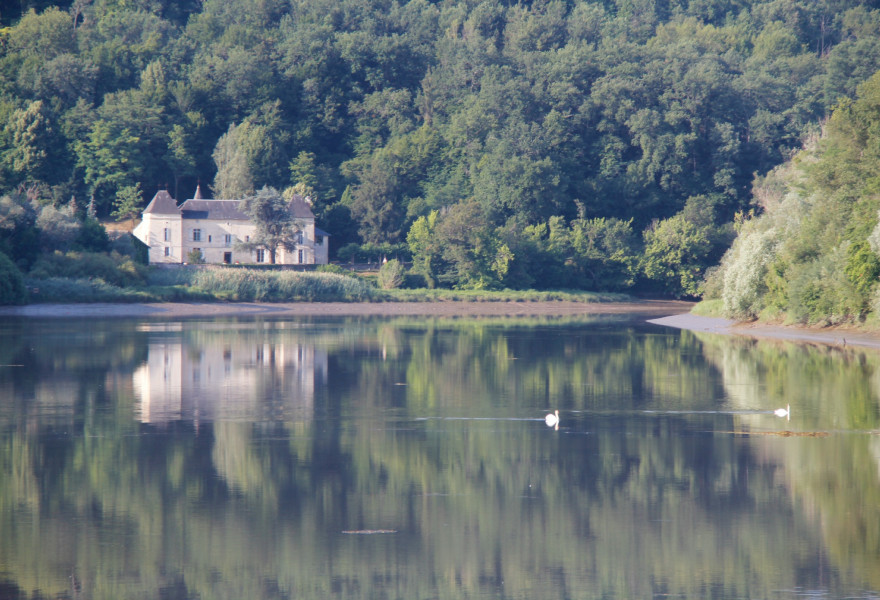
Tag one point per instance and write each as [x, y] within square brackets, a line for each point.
[300, 208]
[162, 204]
[228, 210]
[219, 210]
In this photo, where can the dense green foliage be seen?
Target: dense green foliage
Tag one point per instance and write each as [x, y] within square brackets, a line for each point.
[813, 255]
[514, 121]
[12, 289]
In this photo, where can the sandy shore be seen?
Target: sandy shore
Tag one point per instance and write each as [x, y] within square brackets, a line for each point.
[829, 336]
[649, 308]
[668, 313]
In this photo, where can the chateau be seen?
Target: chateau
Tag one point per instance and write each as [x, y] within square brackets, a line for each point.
[213, 228]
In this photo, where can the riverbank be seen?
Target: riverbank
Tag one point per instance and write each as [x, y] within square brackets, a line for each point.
[668, 313]
[829, 336]
[649, 308]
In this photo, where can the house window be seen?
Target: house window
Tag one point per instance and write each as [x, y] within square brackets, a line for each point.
[261, 256]
[319, 239]
[167, 250]
[197, 235]
[209, 239]
[167, 234]
[299, 238]
[227, 239]
[300, 257]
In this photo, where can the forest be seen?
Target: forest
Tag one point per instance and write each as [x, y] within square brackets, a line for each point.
[585, 144]
[810, 253]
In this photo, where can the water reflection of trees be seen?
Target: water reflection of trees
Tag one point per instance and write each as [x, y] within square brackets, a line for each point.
[833, 391]
[615, 507]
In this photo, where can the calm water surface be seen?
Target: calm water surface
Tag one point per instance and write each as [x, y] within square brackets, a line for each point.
[408, 458]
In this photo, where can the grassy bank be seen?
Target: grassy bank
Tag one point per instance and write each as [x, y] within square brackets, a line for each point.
[435, 295]
[709, 308]
[220, 284]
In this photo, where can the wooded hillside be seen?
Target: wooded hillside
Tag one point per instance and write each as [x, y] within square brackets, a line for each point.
[561, 143]
[813, 254]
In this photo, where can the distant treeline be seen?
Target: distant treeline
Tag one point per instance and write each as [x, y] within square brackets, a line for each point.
[563, 143]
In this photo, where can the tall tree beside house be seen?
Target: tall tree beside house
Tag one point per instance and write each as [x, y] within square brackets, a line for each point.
[128, 203]
[234, 178]
[276, 227]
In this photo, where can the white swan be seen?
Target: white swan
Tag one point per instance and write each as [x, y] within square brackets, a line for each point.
[552, 419]
[783, 412]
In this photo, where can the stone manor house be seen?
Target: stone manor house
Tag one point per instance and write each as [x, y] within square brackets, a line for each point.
[213, 227]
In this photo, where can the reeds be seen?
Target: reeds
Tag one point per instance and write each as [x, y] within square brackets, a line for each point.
[69, 290]
[256, 285]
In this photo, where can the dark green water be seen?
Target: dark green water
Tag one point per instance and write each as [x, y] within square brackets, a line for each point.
[408, 458]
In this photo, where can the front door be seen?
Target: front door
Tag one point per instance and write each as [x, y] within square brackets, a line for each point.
[227, 258]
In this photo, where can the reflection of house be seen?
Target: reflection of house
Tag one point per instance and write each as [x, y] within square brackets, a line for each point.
[213, 227]
[228, 379]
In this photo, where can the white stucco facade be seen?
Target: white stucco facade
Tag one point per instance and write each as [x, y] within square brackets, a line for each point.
[215, 228]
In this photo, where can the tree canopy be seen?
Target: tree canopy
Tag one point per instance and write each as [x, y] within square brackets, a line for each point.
[276, 228]
[513, 113]
[813, 254]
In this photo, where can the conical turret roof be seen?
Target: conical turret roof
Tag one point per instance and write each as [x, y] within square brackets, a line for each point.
[162, 204]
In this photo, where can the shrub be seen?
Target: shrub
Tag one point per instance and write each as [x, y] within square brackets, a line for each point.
[414, 280]
[674, 256]
[862, 267]
[12, 288]
[194, 257]
[391, 275]
[280, 286]
[821, 292]
[112, 268]
[128, 245]
[744, 269]
[333, 269]
[91, 237]
[59, 228]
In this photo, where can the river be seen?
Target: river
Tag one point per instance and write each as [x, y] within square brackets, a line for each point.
[408, 457]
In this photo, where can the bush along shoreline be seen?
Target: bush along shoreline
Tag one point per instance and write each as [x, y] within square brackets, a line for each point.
[243, 284]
